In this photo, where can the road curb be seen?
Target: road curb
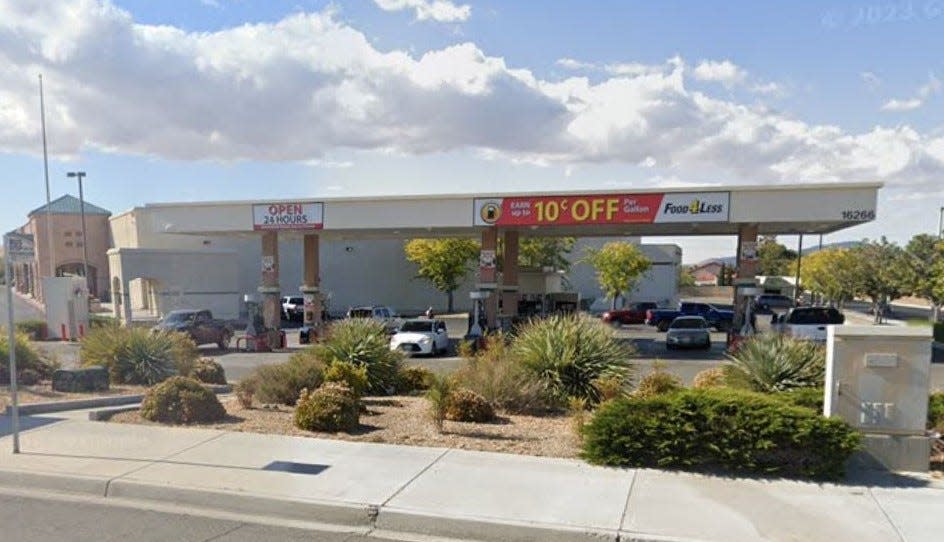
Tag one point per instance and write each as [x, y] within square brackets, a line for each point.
[96, 402]
[407, 522]
[86, 485]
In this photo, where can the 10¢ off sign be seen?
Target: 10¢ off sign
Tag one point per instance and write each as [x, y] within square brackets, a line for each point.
[288, 216]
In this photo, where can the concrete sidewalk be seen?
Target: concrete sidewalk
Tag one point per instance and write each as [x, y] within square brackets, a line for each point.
[400, 492]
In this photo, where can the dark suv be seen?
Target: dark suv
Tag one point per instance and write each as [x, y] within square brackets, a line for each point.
[765, 303]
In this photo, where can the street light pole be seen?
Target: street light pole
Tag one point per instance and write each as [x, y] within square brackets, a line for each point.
[79, 175]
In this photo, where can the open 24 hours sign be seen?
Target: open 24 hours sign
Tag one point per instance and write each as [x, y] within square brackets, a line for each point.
[288, 216]
[602, 209]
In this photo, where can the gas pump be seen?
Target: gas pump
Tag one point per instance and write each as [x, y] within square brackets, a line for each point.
[744, 326]
[476, 333]
[255, 329]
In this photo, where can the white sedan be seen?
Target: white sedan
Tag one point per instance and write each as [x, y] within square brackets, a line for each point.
[421, 337]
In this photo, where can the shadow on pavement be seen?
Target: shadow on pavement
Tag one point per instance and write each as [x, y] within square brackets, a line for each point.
[26, 423]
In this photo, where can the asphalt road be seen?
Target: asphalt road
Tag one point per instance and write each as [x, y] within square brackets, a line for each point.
[40, 517]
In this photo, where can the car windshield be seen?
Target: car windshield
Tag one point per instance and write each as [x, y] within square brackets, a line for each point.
[179, 317]
[688, 323]
[815, 316]
[417, 327]
[360, 313]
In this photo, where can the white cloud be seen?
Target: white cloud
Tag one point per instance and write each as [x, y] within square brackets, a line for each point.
[310, 87]
[443, 11]
[872, 81]
[925, 91]
[573, 64]
[724, 72]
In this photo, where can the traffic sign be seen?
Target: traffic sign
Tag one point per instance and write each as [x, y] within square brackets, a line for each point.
[19, 247]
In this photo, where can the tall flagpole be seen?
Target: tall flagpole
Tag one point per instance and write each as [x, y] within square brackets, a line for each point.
[49, 242]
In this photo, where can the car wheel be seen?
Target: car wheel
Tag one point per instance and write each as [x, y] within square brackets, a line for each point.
[225, 341]
[663, 326]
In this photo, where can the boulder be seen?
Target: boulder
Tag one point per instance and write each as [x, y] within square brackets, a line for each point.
[85, 380]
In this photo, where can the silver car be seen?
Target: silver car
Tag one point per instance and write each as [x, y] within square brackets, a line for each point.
[688, 332]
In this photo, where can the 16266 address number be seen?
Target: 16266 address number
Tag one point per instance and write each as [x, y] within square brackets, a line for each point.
[859, 214]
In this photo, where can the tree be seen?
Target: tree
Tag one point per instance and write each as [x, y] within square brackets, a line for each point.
[925, 266]
[619, 266]
[774, 259]
[545, 252]
[832, 273]
[883, 273]
[443, 262]
[685, 277]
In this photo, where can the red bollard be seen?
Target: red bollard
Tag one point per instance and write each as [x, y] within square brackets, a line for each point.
[81, 331]
[64, 336]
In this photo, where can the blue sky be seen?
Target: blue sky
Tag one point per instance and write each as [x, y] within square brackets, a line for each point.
[231, 99]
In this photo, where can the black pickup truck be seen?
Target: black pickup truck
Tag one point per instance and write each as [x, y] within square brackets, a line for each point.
[199, 325]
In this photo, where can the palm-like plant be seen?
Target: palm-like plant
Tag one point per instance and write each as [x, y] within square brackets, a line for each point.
[363, 342]
[773, 362]
[570, 353]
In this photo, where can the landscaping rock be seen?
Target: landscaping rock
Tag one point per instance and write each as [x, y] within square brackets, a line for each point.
[85, 380]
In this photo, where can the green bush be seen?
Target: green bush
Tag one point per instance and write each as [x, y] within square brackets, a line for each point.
[181, 400]
[137, 355]
[438, 395]
[811, 398]
[283, 382]
[503, 381]
[332, 407]
[716, 377]
[569, 353]
[34, 329]
[362, 341]
[468, 406]
[413, 379]
[936, 412]
[719, 429]
[658, 382]
[209, 372]
[352, 376]
[27, 359]
[771, 362]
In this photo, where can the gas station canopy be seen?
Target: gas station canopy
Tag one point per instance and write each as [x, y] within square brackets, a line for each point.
[785, 209]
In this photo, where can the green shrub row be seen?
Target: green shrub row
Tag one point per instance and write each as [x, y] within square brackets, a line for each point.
[936, 412]
[31, 367]
[34, 329]
[718, 429]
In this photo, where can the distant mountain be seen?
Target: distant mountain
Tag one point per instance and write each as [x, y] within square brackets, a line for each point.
[807, 250]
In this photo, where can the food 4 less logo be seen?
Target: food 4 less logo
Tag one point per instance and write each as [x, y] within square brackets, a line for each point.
[705, 207]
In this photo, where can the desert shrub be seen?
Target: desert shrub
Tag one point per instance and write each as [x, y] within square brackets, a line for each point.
[362, 341]
[96, 321]
[34, 329]
[283, 382]
[719, 429]
[714, 377]
[245, 391]
[771, 362]
[503, 381]
[352, 376]
[658, 382]
[438, 395]
[811, 398]
[332, 407]
[569, 353]
[181, 400]
[468, 406]
[936, 412]
[28, 377]
[208, 371]
[465, 349]
[611, 387]
[577, 408]
[137, 355]
[413, 379]
[27, 358]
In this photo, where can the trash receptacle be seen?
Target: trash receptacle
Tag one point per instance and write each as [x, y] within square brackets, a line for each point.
[304, 335]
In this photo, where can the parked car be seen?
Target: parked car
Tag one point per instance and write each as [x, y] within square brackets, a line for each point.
[293, 308]
[199, 325]
[633, 314]
[808, 322]
[716, 318]
[688, 332]
[379, 313]
[765, 303]
[421, 337]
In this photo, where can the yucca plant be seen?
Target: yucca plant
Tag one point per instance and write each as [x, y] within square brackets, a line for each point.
[569, 353]
[138, 356]
[439, 395]
[363, 342]
[771, 362]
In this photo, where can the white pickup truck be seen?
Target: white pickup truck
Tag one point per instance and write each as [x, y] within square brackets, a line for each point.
[808, 322]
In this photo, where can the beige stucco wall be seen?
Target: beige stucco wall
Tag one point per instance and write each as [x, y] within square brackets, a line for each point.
[66, 238]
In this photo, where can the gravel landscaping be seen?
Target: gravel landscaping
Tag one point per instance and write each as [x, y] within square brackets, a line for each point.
[404, 420]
